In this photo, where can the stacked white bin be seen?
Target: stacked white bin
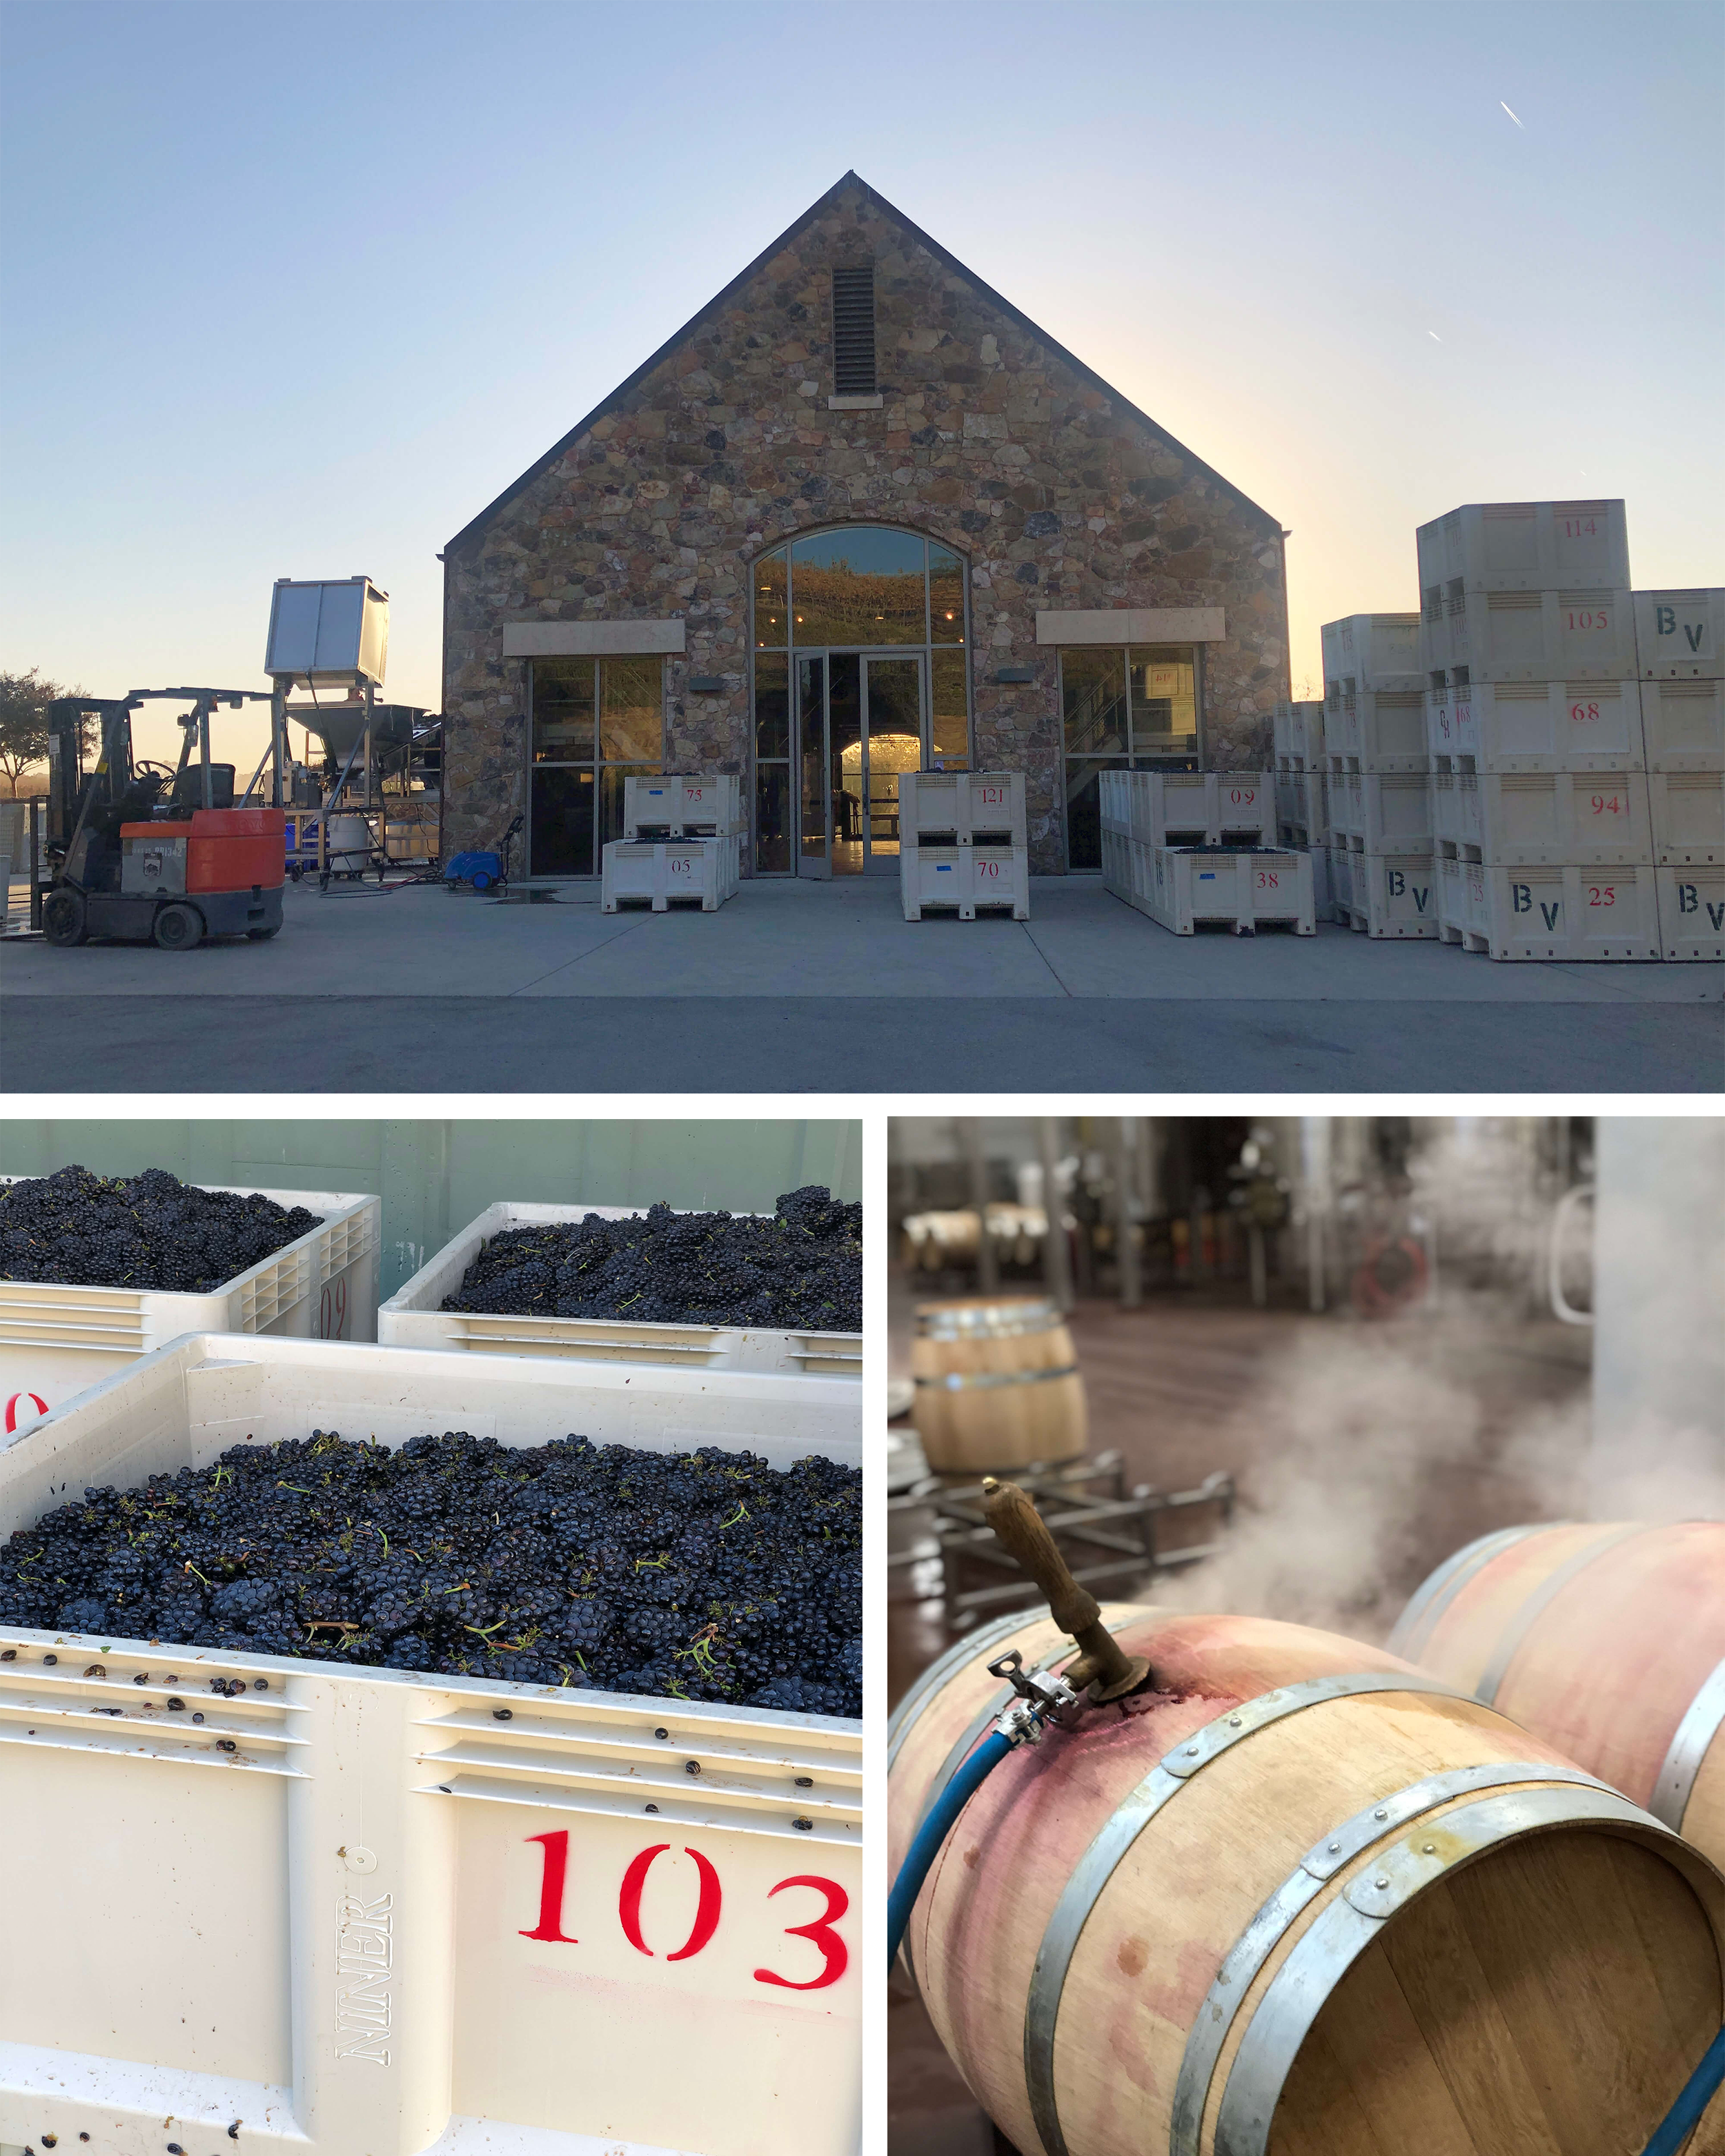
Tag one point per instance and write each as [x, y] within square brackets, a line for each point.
[1679, 651]
[682, 841]
[962, 844]
[1191, 848]
[1540, 800]
[1383, 877]
[1302, 814]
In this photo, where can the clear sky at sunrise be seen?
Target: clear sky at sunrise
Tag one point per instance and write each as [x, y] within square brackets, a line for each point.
[296, 289]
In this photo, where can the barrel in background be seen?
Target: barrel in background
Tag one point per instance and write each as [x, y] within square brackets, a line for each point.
[997, 1384]
[1607, 1640]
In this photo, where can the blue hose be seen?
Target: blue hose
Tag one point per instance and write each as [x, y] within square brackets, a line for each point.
[933, 1831]
[1698, 2091]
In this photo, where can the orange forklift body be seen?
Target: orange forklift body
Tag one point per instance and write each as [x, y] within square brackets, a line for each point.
[226, 848]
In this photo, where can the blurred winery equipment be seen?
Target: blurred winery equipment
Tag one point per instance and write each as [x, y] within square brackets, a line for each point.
[1378, 1217]
[1109, 1535]
[997, 1384]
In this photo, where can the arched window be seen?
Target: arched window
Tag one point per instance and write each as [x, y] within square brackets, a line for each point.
[860, 635]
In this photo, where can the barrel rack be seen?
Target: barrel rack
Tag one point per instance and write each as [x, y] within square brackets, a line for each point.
[1106, 1532]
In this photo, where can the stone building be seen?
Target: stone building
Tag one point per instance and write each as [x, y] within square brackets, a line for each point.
[859, 516]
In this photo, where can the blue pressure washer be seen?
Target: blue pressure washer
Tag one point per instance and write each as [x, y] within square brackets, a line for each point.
[482, 870]
[1104, 1671]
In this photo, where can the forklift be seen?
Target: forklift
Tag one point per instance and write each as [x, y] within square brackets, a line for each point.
[145, 852]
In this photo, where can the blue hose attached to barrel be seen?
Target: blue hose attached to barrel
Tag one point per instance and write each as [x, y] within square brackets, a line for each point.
[1698, 2091]
[943, 1817]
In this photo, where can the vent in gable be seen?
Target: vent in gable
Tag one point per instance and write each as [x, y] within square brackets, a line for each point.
[853, 330]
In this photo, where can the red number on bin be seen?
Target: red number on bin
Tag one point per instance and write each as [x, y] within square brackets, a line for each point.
[332, 1310]
[835, 1956]
[1574, 529]
[1608, 804]
[987, 868]
[1586, 619]
[1601, 893]
[993, 793]
[1267, 880]
[706, 1909]
[819, 1934]
[1583, 710]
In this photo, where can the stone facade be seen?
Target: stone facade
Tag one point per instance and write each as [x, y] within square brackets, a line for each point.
[1056, 491]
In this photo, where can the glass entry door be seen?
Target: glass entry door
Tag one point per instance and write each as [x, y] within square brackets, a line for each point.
[862, 720]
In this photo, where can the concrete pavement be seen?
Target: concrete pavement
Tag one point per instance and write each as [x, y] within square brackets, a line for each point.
[414, 989]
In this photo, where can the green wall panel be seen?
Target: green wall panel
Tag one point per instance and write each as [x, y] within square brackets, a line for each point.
[433, 1177]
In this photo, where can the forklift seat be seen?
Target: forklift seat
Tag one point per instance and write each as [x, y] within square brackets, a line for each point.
[188, 789]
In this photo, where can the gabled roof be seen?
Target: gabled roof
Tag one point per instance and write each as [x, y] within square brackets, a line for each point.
[852, 183]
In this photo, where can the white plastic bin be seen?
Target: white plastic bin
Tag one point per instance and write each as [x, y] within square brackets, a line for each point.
[963, 805]
[1683, 725]
[415, 1316]
[1301, 814]
[1395, 811]
[1297, 730]
[1688, 810]
[1573, 635]
[681, 808]
[1679, 636]
[965, 879]
[1373, 650]
[1245, 891]
[1341, 859]
[56, 1339]
[1545, 817]
[661, 872]
[1463, 907]
[1569, 912]
[1194, 807]
[1526, 546]
[1395, 897]
[1692, 911]
[1539, 726]
[388, 1921]
[1391, 724]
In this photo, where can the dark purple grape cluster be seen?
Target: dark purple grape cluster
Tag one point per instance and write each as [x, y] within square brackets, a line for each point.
[141, 1231]
[799, 1268]
[703, 1575]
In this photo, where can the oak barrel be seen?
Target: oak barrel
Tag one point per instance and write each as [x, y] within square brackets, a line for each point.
[997, 1384]
[1303, 1900]
[1608, 1641]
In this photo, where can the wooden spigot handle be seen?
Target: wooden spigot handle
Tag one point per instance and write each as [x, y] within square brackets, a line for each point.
[1023, 1534]
[1104, 1667]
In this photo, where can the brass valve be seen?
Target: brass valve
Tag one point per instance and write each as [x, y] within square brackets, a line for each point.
[1103, 1665]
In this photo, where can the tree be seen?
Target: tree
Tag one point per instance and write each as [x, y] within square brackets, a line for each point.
[23, 722]
[24, 699]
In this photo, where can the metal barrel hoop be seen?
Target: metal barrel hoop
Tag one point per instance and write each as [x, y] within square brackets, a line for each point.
[1417, 1623]
[1675, 1783]
[1094, 1870]
[1303, 1985]
[1535, 1607]
[979, 1381]
[1273, 1919]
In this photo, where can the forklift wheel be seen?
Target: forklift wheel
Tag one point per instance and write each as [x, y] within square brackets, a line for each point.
[262, 935]
[62, 918]
[179, 928]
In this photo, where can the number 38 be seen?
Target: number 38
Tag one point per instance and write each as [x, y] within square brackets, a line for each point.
[554, 1851]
